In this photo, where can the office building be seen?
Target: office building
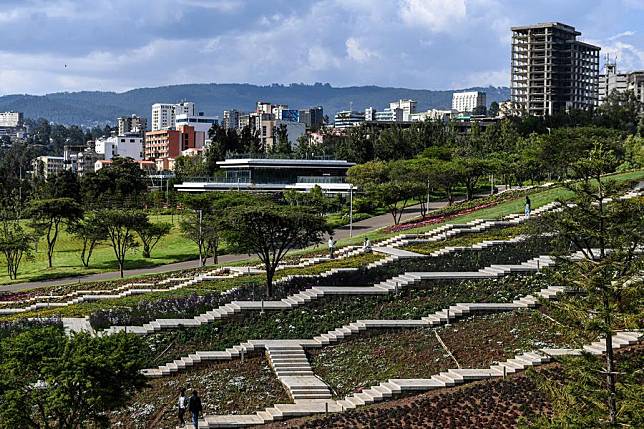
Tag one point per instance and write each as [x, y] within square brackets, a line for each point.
[276, 175]
[132, 124]
[431, 114]
[199, 123]
[348, 119]
[47, 166]
[465, 102]
[611, 81]
[408, 108]
[552, 71]
[185, 108]
[231, 119]
[389, 115]
[312, 118]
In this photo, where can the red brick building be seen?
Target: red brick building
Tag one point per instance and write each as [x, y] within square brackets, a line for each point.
[169, 143]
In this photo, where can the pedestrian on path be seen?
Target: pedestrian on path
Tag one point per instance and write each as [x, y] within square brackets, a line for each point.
[367, 244]
[527, 207]
[194, 406]
[331, 247]
[183, 401]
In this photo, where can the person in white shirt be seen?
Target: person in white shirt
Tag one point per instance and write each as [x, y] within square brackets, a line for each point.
[182, 406]
[331, 247]
[367, 244]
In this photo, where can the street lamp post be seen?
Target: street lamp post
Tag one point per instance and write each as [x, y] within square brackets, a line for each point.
[200, 238]
[351, 210]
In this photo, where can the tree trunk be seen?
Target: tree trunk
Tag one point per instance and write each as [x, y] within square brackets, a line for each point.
[121, 263]
[269, 281]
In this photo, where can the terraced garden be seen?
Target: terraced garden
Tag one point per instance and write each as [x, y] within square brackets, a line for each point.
[331, 312]
[229, 387]
[475, 342]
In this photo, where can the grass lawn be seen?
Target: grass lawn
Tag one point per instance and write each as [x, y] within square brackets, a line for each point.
[172, 248]
[175, 247]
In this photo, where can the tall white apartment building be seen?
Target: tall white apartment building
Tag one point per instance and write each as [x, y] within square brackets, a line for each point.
[11, 119]
[164, 114]
[47, 166]
[185, 108]
[467, 101]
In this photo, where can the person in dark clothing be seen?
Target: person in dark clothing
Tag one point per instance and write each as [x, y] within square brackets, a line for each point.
[528, 207]
[194, 406]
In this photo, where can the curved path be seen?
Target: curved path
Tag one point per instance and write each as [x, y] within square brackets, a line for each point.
[361, 227]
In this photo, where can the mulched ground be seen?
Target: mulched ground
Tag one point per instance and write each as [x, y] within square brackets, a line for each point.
[225, 388]
[476, 342]
[486, 404]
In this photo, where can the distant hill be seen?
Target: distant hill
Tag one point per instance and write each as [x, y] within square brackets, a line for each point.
[96, 107]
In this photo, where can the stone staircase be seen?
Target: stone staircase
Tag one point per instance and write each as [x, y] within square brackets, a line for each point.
[393, 387]
[393, 284]
[451, 313]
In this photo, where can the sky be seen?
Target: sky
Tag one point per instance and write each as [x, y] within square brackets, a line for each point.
[64, 45]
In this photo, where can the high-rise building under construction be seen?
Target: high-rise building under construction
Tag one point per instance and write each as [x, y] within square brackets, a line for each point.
[552, 70]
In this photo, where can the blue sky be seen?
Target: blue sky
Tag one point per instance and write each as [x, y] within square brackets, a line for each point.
[64, 45]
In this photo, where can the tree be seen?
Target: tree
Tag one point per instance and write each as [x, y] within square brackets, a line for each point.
[120, 225]
[150, 234]
[120, 185]
[47, 216]
[91, 231]
[270, 231]
[64, 184]
[470, 171]
[493, 111]
[205, 223]
[479, 110]
[282, 144]
[15, 244]
[357, 146]
[621, 110]
[387, 184]
[608, 231]
[49, 380]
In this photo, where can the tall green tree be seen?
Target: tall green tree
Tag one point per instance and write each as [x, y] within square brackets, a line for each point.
[608, 231]
[119, 185]
[51, 381]
[282, 144]
[270, 231]
[150, 233]
[48, 215]
[120, 226]
[91, 231]
[15, 245]
[387, 184]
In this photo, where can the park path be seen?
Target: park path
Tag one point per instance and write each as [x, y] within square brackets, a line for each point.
[361, 227]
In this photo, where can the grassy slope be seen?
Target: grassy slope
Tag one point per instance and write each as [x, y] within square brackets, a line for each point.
[175, 247]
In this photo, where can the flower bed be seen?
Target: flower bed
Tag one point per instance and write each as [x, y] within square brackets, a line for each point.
[333, 311]
[476, 342]
[225, 388]
[468, 239]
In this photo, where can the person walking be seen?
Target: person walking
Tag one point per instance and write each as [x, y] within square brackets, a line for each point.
[194, 406]
[331, 247]
[183, 401]
[527, 207]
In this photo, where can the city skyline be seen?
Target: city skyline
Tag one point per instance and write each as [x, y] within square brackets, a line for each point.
[63, 45]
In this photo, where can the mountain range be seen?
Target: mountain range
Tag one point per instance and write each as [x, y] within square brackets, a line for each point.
[89, 108]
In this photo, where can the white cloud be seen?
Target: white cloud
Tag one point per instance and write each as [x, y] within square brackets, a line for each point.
[357, 52]
[220, 5]
[621, 35]
[435, 15]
